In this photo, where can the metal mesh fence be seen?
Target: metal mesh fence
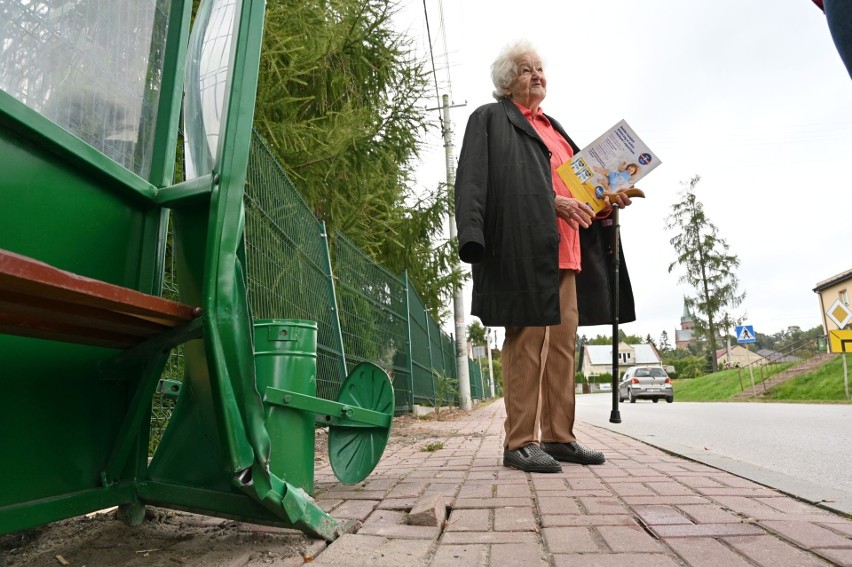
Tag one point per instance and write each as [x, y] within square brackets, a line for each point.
[163, 404]
[363, 312]
[448, 350]
[433, 361]
[424, 380]
[373, 317]
[289, 274]
[475, 373]
[436, 355]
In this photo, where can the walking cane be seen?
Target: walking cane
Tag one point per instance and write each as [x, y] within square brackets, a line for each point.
[615, 415]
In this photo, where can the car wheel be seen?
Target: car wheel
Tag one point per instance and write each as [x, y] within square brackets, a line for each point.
[655, 400]
[670, 399]
[632, 396]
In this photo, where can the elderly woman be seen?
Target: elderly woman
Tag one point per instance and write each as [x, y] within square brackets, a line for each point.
[523, 231]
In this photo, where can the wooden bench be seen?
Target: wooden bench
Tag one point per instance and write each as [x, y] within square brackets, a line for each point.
[38, 300]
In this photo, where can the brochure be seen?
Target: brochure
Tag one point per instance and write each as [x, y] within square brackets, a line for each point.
[615, 161]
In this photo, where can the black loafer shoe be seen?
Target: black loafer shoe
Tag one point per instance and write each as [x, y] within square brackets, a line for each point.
[573, 452]
[530, 458]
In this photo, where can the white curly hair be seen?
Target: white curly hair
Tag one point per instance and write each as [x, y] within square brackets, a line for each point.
[504, 70]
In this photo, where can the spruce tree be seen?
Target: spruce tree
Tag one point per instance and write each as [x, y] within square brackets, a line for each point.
[708, 266]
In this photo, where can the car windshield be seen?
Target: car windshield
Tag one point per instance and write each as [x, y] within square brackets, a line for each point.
[658, 373]
[642, 373]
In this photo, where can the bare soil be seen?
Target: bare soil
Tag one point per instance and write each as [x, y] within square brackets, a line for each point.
[170, 538]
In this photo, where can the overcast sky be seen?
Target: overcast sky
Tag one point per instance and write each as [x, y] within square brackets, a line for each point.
[752, 96]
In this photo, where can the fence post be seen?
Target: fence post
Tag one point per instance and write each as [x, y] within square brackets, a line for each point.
[338, 331]
[408, 332]
[429, 352]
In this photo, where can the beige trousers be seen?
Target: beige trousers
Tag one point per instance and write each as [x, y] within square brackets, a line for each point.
[538, 375]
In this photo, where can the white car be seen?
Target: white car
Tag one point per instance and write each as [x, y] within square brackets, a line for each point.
[645, 382]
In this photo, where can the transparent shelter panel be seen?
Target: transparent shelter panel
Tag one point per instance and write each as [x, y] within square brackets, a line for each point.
[94, 67]
[206, 84]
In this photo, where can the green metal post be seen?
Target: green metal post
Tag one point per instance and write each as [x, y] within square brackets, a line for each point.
[429, 348]
[410, 350]
[338, 332]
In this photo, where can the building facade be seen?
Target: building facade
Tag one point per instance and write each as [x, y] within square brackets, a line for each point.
[834, 301]
[739, 357]
[597, 359]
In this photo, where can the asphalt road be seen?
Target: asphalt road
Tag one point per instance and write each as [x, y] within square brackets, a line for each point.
[804, 450]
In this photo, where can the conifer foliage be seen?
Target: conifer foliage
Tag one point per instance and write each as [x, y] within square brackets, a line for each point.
[341, 104]
[707, 265]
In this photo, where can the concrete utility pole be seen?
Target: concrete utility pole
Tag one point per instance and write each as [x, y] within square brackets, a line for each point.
[458, 300]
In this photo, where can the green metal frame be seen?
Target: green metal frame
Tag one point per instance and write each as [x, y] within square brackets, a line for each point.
[328, 412]
[84, 446]
[74, 418]
[214, 456]
[215, 444]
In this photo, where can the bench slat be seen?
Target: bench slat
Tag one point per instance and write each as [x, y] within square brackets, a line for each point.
[38, 300]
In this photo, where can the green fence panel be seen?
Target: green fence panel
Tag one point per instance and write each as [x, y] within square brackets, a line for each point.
[435, 351]
[373, 317]
[448, 350]
[288, 262]
[423, 377]
[475, 380]
[448, 367]
[436, 356]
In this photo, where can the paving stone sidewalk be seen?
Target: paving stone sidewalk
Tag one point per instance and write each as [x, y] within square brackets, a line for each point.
[642, 507]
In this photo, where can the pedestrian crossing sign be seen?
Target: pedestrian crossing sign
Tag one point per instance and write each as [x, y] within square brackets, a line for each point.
[745, 334]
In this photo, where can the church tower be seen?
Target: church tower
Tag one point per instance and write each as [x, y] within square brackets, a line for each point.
[686, 334]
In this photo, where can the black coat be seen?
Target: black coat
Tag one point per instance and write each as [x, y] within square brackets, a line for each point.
[506, 220]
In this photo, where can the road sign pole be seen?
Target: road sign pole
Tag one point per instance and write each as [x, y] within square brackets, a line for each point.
[751, 372]
[745, 335]
[840, 340]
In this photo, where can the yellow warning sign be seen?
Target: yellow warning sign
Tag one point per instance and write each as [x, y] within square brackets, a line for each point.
[840, 341]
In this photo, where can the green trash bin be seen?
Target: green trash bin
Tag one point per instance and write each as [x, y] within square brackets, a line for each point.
[285, 357]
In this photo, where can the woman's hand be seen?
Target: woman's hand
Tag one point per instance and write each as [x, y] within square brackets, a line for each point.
[621, 198]
[574, 212]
